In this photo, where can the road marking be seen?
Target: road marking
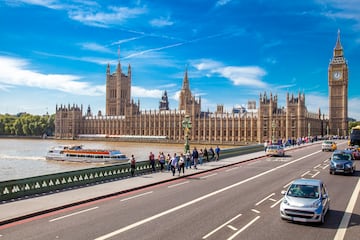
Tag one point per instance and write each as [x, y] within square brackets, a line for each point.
[317, 165]
[340, 233]
[287, 185]
[244, 228]
[211, 175]
[255, 211]
[72, 214]
[178, 184]
[176, 208]
[305, 173]
[136, 196]
[221, 226]
[326, 166]
[264, 199]
[279, 201]
[315, 174]
[232, 228]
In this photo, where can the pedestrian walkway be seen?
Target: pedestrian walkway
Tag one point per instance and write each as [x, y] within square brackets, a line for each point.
[32, 206]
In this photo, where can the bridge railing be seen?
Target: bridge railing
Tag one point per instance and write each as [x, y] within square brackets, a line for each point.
[20, 188]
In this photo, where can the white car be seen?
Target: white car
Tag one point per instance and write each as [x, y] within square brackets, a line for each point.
[306, 200]
[275, 150]
[328, 146]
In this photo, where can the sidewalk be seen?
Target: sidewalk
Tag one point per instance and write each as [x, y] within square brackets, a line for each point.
[33, 206]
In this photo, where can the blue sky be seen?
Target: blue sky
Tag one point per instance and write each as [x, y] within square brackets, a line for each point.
[56, 51]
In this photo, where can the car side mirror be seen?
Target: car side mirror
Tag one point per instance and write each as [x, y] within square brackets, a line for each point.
[283, 192]
[324, 196]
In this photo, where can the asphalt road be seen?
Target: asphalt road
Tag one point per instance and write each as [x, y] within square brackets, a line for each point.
[237, 202]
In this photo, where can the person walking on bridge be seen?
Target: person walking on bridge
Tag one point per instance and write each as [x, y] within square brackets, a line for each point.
[132, 165]
[174, 163]
[152, 161]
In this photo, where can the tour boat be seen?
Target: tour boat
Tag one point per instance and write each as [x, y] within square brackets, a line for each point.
[76, 153]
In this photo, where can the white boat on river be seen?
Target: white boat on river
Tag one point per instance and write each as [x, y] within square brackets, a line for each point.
[76, 153]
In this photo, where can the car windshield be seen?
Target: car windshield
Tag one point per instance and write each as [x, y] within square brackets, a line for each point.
[273, 147]
[303, 191]
[341, 157]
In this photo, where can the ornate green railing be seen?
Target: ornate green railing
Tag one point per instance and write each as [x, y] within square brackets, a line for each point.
[20, 188]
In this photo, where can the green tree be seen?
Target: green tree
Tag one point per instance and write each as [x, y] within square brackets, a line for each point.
[24, 124]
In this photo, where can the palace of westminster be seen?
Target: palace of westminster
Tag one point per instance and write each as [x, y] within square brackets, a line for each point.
[124, 121]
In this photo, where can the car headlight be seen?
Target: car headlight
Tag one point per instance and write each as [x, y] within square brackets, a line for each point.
[286, 202]
[316, 204]
[348, 165]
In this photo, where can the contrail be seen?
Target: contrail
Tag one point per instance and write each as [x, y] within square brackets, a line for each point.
[173, 45]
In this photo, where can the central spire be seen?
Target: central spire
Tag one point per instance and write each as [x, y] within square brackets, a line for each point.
[186, 80]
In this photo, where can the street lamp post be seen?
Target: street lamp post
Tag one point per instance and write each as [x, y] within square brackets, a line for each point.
[309, 126]
[273, 131]
[186, 124]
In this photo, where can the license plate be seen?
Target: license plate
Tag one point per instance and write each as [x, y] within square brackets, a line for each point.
[296, 219]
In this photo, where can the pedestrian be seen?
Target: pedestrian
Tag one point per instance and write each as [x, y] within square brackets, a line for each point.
[195, 156]
[188, 159]
[168, 160]
[206, 154]
[201, 156]
[152, 161]
[162, 161]
[181, 164]
[265, 145]
[217, 151]
[132, 165]
[174, 163]
[212, 153]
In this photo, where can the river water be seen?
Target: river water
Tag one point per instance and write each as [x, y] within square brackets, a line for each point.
[22, 158]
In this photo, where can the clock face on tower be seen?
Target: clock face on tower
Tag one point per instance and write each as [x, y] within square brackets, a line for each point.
[336, 75]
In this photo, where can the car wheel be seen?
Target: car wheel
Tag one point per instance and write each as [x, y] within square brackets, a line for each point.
[322, 218]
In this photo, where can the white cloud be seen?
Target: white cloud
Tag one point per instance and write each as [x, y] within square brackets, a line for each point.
[246, 76]
[354, 104]
[15, 72]
[53, 4]
[115, 16]
[145, 93]
[222, 2]
[95, 47]
[161, 22]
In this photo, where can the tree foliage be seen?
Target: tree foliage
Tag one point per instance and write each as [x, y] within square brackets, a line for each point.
[353, 124]
[25, 124]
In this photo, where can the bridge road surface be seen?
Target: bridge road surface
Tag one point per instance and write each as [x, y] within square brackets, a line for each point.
[236, 202]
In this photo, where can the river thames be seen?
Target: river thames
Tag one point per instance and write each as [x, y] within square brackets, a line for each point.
[22, 158]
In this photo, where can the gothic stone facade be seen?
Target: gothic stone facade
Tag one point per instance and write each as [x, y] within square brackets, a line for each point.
[268, 122]
[125, 121]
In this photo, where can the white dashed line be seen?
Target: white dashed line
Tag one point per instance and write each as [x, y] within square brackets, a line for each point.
[136, 196]
[178, 184]
[244, 228]
[72, 214]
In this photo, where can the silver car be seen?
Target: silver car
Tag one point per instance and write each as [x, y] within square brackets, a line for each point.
[306, 200]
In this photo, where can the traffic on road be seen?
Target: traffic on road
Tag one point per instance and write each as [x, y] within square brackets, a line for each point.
[238, 201]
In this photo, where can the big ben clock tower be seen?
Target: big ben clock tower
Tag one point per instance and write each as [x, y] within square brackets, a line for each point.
[338, 91]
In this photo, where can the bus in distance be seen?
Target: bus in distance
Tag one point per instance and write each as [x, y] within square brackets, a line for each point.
[355, 136]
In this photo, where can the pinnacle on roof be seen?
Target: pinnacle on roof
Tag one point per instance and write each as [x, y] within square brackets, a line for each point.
[186, 80]
[338, 43]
